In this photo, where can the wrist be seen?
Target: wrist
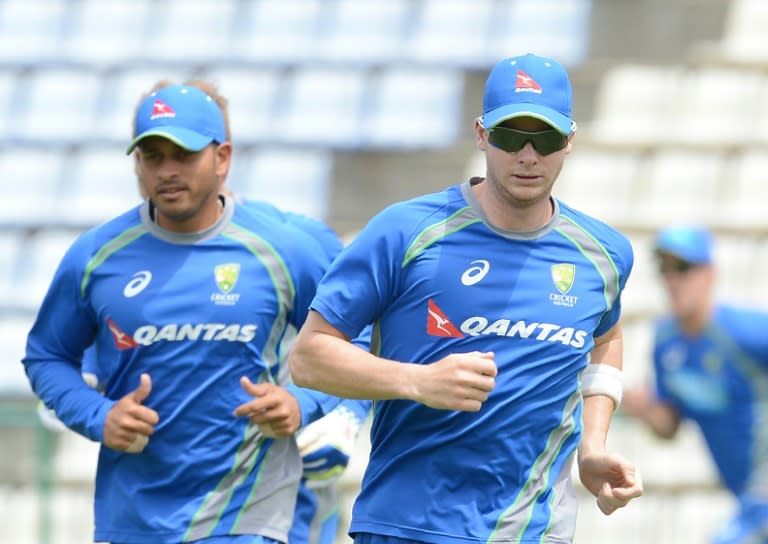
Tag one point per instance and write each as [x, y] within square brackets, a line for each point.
[602, 379]
[410, 378]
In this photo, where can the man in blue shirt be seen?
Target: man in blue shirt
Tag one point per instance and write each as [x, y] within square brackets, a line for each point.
[186, 298]
[711, 367]
[496, 350]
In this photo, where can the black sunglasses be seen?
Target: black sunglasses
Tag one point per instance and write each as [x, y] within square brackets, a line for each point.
[675, 267]
[511, 140]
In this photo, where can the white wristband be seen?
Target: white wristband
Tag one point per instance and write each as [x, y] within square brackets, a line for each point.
[602, 379]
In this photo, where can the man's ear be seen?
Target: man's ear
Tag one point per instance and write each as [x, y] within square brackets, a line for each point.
[481, 135]
[223, 160]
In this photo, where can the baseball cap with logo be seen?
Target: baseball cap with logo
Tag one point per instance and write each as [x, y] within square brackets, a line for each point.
[181, 113]
[689, 243]
[529, 86]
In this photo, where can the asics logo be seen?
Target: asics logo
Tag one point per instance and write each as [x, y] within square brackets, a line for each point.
[474, 274]
[137, 284]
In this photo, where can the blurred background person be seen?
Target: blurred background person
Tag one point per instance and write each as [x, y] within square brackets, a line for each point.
[711, 366]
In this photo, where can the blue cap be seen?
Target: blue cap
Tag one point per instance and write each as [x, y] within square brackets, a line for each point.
[688, 243]
[183, 114]
[529, 86]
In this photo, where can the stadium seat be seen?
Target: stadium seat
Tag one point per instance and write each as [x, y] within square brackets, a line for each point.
[58, 107]
[738, 260]
[698, 113]
[647, 89]
[601, 182]
[100, 185]
[678, 185]
[561, 30]
[760, 113]
[450, 33]
[277, 32]
[109, 33]
[296, 179]
[33, 177]
[122, 89]
[70, 508]
[411, 108]
[30, 32]
[743, 203]
[8, 79]
[13, 339]
[364, 33]
[40, 257]
[643, 297]
[321, 106]
[743, 39]
[10, 242]
[475, 166]
[183, 30]
[638, 347]
[758, 294]
[252, 94]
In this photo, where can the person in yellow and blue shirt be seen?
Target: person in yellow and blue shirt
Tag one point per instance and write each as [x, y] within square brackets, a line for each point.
[496, 352]
[187, 298]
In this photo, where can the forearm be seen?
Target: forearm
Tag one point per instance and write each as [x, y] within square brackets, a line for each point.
[334, 365]
[598, 408]
[596, 420]
[61, 387]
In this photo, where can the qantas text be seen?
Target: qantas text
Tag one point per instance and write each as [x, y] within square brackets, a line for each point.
[212, 332]
[475, 326]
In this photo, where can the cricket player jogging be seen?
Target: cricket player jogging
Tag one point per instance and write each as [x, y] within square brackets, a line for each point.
[186, 299]
[497, 350]
[325, 445]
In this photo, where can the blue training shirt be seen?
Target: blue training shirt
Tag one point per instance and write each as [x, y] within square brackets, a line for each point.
[317, 508]
[195, 311]
[436, 278]
[719, 380]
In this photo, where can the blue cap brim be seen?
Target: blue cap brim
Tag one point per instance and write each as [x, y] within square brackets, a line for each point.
[182, 137]
[684, 246]
[560, 122]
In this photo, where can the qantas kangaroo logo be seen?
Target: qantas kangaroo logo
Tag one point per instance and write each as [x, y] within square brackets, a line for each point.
[122, 340]
[438, 324]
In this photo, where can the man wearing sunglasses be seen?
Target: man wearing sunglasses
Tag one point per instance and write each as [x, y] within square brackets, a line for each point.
[497, 349]
[711, 367]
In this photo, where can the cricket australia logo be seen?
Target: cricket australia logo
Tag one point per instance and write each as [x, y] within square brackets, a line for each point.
[226, 277]
[563, 276]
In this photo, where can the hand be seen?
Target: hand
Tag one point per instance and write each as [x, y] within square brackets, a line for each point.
[129, 424]
[610, 478]
[326, 444]
[460, 381]
[275, 410]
